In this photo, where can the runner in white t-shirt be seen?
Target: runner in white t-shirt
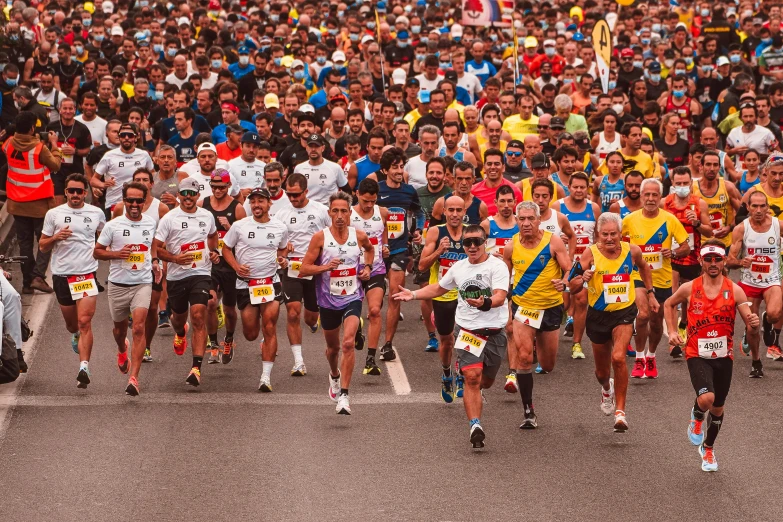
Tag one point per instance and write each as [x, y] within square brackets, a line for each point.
[246, 169]
[273, 182]
[127, 241]
[324, 177]
[206, 154]
[190, 238]
[69, 232]
[259, 245]
[95, 123]
[416, 170]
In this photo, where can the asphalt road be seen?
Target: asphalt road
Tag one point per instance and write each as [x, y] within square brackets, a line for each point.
[227, 452]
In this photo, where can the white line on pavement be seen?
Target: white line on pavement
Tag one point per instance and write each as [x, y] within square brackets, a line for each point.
[397, 375]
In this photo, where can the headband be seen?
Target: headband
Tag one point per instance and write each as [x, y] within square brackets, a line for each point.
[714, 250]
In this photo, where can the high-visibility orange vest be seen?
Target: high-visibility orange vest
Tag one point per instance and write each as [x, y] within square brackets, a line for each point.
[28, 178]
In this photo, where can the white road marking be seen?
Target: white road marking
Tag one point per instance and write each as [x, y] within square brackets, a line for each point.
[397, 376]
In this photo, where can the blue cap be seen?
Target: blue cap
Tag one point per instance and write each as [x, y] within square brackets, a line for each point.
[424, 96]
[381, 6]
[243, 50]
[402, 35]
[250, 137]
[654, 67]
[578, 37]
[421, 3]
[571, 27]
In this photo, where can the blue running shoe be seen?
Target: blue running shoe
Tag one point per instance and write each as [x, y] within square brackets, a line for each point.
[695, 430]
[447, 389]
[708, 460]
[163, 319]
[540, 370]
[460, 381]
[432, 345]
[745, 345]
[569, 327]
[630, 352]
[75, 342]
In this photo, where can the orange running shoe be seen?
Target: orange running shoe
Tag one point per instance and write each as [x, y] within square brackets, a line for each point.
[228, 351]
[181, 343]
[122, 359]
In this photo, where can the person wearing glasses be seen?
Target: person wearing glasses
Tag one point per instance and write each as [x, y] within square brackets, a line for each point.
[324, 177]
[709, 348]
[480, 282]
[69, 232]
[127, 241]
[187, 239]
[118, 165]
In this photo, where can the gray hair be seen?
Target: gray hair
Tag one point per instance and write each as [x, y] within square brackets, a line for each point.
[24, 92]
[429, 129]
[340, 196]
[651, 181]
[274, 166]
[581, 134]
[529, 205]
[140, 81]
[563, 102]
[609, 217]
[165, 147]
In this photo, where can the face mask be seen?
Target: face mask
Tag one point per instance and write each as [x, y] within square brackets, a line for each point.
[493, 37]
[705, 13]
[216, 64]
[408, 8]
[612, 84]
[158, 95]
[12, 82]
[567, 81]
[171, 52]
[299, 75]
[668, 63]
[79, 50]
[87, 22]
[720, 77]
[678, 93]
[321, 60]
[402, 45]
[36, 21]
[679, 71]
[420, 57]
[244, 60]
[656, 28]
[274, 18]
[77, 29]
[144, 3]
[504, 46]
[549, 51]
[646, 41]
[638, 64]
[340, 14]
[706, 68]
[415, 29]
[158, 48]
[445, 65]
[497, 62]
[354, 37]
[593, 99]
[424, 39]
[689, 60]
[278, 61]
[370, 25]
[618, 108]
[333, 32]
[735, 58]
[681, 192]
[17, 105]
[655, 77]
[766, 41]
[15, 37]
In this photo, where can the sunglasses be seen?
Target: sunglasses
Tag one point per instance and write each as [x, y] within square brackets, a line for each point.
[128, 135]
[78, 191]
[220, 186]
[708, 259]
[188, 193]
[293, 194]
[511, 154]
[472, 242]
[134, 201]
[338, 122]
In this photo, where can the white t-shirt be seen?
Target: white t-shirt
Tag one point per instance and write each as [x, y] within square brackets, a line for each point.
[121, 231]
[192, 167]
[97, 128]
[73, 256]
[182, 232]
[255, 245]
[475, 280]
[277, 205]
[206, 189]
[417, 172]
[428, 85]
[760, 139]
[322, 180]
[172, 78]
[472, 84]
[302, 223]
[208, 83]
[121, 166]
[248, 175]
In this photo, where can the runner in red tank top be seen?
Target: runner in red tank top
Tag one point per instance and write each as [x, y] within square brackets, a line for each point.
[688, 109]
[712, 300]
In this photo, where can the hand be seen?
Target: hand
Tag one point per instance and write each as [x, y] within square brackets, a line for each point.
[475, 303]
[578, 280]
[290, 247]
[745, 262]
[364, 274]
[559, 284]
[753, 320]
[124, 252]
[68, 150]
[223, 220]
[52, 140]
[157, 272]
[63, 234]
[444, 245]
[184, 259]
[245, 192]
[403, 295]
[97, 193]
[666, 253]
[145, 125]
[109, 181]
[721, 232]
[385, 251]
[96, 143]
[588, 275]
[675, 339]
[417, 237]
[243, 271]
[654, 305]
[168, 199]
[334, 264]
[691, 216]
[214, 257]
[282, 262]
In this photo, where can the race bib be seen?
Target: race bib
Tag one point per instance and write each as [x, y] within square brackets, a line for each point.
[261, 290]
[395, 223]
[714, 348]
[342, 281]
[137, 257]
[716, 220]
[529, 317]
[760, 268]
[470, 342]
[198, 249]
[652, 255]
[294, 264]
[616, 288]
[582, 242]
[82, 286]
[378, 248]
[497, 245]
[445, 264]
[221, 234]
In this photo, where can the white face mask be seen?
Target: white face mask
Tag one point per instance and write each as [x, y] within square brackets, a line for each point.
[618, 108]
[681, 192]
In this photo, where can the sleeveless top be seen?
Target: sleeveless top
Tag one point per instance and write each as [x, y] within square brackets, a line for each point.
[711, 322]
[719, 205]
[694, 238]
[605, 147]
[763, 248]
[154, 211]
[442, 264]
[556, 178]
[375, 229]
[337, 289]
[583, 224]
[610, 192]
[459, 155]
[230, 213]
[551, 225]
[745, 185]
[775, 204]
[534, 269]
[610, 289]
[499, 237]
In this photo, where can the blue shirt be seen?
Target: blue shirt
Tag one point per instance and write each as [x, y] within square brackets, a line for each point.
[365, 167]
[318, 99]
[238, 72]
[483, 70]
[168, 130]
[400, 202]
[219, 133]
[185, 147]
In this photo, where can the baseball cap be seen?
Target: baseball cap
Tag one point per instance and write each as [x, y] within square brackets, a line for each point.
[398, 77]
[722, 61]
[531, 41]
[220, 176]
[316, 139]
[578, 37]
[456, 31]
[189, 184]
[307, 108]
[626, 53]
[243, 50]
[424, 96]
[297, 63]
[367, 38]
[412, 82]
[251, 137]
[654, 67]
[260, 191]
[107, 7]
[338, 97]
[515, 143]
[338, 56]
[556, 123]
[116, 30]
[549, 43]
[402, 35]
[206, 146]
[582, 143]
[119, 69]
[271, 100]
[539, 161]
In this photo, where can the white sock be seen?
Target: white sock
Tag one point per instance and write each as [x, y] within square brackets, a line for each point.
[267, 369]
[84, 365]
[640, 355]
[297, 350]
[651, 355]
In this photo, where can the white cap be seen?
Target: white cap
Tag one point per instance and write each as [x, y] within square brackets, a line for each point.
[307, 108]
[367, 38]
[296, 63]
[399, 77]
[549, 43]
[116, 30]
[183, 20]
[712, 250]
[206, 146]
[456, 31]
[107, 7]
[402, 19]
[338, 56]
[723, 61]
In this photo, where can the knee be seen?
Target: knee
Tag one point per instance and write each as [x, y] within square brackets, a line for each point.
[774, 313]
[85, 323]
[472, 378]
[618, 359]
[349, 345]
[706, 400]
[375, 312]
[292, 315]
[251, 334]
[197, 317]
[138, 330]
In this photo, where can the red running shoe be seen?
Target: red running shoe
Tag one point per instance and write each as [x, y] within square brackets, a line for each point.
[181, 343]
[651, 372]
[638, 369]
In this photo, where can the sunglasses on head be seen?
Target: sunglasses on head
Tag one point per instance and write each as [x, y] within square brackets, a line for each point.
[134, 201]
[472, 242]
[74, 190]
[512, 154]
[188, 193]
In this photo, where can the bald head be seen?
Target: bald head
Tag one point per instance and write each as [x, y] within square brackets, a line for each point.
[495, 125]
[451, 115]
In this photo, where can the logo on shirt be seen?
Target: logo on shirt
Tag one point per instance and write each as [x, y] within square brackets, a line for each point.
[270, 236]
[251, 235]
[67, 219]
[310, 217]
[126, 233]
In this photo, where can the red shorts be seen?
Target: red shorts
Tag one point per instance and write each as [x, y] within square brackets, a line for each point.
[753, 292]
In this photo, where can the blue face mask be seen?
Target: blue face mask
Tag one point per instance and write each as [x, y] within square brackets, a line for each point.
[567, 81]
[646, 41]
[158, 48]
[402, 45]
[79, 50]
[493, 37]
[705, 13]
[354, 37]
[415, 29]
[299, 75]
[689, 60]
[735, 58]
[87, 22]
[333, 32]
[549, 51]
[656, 28]
[678, 93]
[171, 52]
[278, 61]
[655, 77]
[445, 65]
[370, 25]
[638, 64]
[420, 57]
[706, 68]
[99, 38]
[274, 18]
[766, 41]
[424, 39]
[12, 82]
[321, 60]
[612, 84]
[158, 95]
[217, 64]
[678, 72]
[340, 14]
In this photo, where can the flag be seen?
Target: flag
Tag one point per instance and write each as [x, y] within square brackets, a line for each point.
[515, 54]
[602, 45]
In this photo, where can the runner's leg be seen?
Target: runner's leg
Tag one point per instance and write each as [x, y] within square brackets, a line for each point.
[396, 280]
[85, 310]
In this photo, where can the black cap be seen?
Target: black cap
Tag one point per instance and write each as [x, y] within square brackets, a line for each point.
[260, 191]
[515, 143]
[412, 82]
[539, 161]
[315, 138]
[451, 76]
[251, 137]
[583, 143]
[557, 122]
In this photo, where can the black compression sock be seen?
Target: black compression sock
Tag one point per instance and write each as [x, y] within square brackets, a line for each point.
[343, 391]
[371, 352]
[447, 371]
[525, 381]
[213, 338]
[229, 337]
[713, 430]
[197, 362]
[698, 413]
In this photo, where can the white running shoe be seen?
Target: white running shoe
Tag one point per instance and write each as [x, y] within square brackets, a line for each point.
[265, 385]
[607, 400]
[299, 370]
[343, 408]
[620, 422]
[334, 387]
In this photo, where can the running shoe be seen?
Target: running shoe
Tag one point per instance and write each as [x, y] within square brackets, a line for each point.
[607, 399]
[620, 423]
[22, 363]
[432, 344]
[132, 388]
[576, 351]
[630, 352]
[221, 317]
[683, 331]
[745, 345]
[214, 354]
[228, 352]
[83, 378]
[477, 436]
[299, 370]
[194, 377]
[773, 352]
[459, 380]
[75, 342]
[756, 370]
[540, 370]
[343, 407]
[314, 328]
[147, 355]
[265, 385]
[334, 387]
[370, 368]
[447, 389]
[402, 317]
[359, 339]
[695, 430]
[530, 422]
[122, 359]
[163, 320]
[511, 385]
[708, 460]
[387, 352]
[569, 327]
[651, 370]
[181, 343]
[638, 369]
[675, 352]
